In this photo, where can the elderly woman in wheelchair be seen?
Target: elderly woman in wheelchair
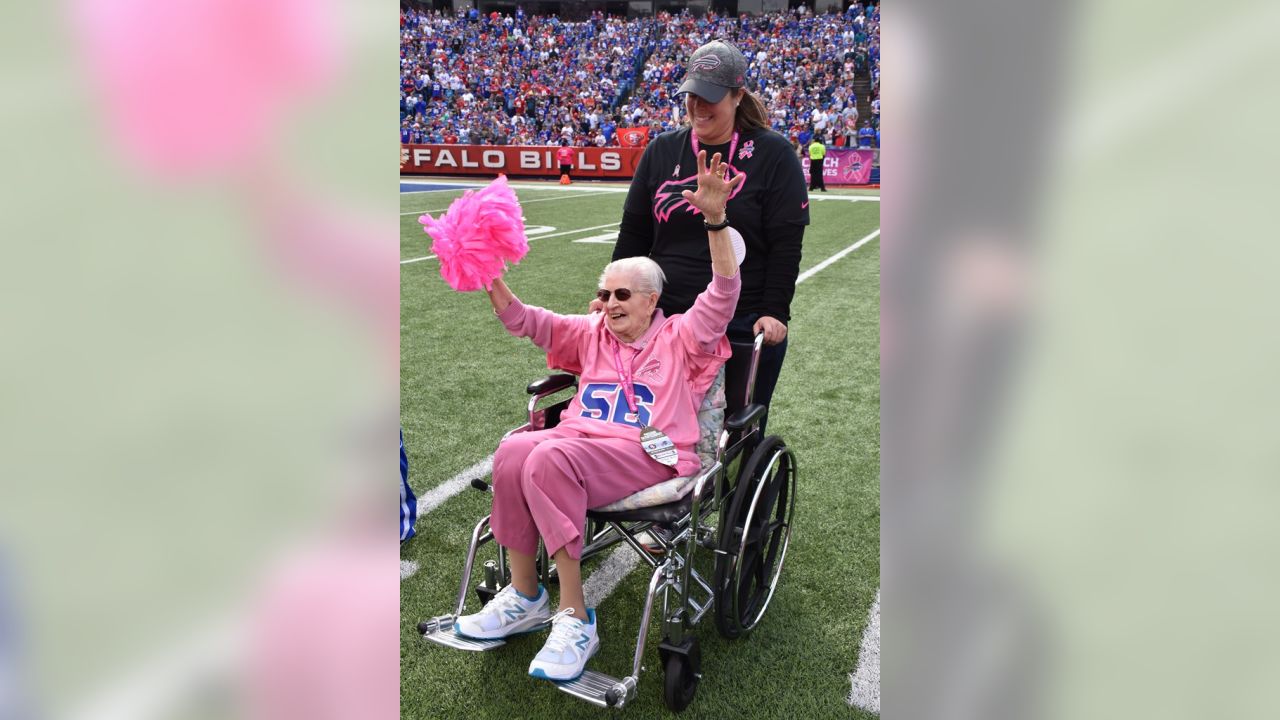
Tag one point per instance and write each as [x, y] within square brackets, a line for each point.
[642, 440]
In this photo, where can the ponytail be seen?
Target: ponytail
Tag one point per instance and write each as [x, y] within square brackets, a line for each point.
[751, 113]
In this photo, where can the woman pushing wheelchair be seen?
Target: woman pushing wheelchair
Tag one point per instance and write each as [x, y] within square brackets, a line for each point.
[632, 424]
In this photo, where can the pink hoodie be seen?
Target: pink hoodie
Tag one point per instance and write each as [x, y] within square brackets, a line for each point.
[673, 364]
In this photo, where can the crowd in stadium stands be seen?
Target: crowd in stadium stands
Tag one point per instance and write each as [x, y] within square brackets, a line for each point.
[498, 79]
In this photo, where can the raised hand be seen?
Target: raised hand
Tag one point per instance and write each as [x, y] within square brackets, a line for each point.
[713, 190]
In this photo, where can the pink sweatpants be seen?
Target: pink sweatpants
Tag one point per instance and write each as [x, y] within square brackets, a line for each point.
[544, 481]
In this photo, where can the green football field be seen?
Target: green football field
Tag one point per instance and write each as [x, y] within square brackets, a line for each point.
[462, 387]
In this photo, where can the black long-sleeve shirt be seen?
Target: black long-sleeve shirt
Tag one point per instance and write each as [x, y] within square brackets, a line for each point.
[770, 209]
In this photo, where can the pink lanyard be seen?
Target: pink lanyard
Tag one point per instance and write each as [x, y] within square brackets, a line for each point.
[733, 145]
[624, 374]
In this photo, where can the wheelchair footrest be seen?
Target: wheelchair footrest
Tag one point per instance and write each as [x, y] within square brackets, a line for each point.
[591, 686]
[440, 631]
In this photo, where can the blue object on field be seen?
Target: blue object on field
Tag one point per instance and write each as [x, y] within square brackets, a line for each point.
[408, 503]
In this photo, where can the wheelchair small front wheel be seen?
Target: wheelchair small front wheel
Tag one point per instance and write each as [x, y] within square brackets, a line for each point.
[755, 533]
[682, 673]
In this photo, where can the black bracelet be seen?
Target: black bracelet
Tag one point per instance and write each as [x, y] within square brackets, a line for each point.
[721, 226]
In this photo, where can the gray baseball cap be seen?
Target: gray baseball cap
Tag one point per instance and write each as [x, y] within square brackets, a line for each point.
[713, 69]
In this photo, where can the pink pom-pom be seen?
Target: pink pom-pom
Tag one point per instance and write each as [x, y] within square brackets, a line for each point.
[478, 235]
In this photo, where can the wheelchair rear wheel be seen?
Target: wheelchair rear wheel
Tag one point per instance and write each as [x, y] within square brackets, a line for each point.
[755, 530]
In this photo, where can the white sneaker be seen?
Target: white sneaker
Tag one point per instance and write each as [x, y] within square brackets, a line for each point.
[508, 613]
[649, 539]
[571, 645]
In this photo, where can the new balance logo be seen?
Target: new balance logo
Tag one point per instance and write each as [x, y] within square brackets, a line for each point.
[514, 614]
[582, 643]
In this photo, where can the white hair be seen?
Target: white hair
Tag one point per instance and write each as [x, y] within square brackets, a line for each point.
[647, 273]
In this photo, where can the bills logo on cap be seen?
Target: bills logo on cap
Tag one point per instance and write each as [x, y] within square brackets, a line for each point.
[706, 63]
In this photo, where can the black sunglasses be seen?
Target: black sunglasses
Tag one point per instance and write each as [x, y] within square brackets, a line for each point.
[622, 293]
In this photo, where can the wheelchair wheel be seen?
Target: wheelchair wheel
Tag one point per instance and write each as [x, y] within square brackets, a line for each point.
[682, 673]
[755, 532]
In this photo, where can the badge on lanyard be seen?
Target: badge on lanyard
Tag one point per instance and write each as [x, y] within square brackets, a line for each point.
[659, 446]
[654, 442]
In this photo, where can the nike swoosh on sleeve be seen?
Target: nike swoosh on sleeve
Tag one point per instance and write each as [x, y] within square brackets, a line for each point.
[804, 204]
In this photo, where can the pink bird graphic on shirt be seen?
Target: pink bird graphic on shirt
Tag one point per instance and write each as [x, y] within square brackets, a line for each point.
[668, 199]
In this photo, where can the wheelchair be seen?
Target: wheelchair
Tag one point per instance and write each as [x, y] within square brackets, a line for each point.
[734, 517]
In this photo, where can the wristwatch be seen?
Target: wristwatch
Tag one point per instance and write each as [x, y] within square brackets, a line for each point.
[721, 226]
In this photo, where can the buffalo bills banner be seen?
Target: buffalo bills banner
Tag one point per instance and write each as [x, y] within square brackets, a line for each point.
[532, 160]
[845, 166]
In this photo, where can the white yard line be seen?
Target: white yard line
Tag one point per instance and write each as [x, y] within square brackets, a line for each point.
[825, 263]
[611, 572]
[819, 198]
[522, 202]
[608, 238]
[865, 692]
[447, 489]
[575, 232]
[549, 186]
[846, 198]
[535, 237]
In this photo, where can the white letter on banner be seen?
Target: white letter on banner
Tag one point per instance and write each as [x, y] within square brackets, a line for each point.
[610, 161]
[529, 159]
[467, 162]
[421, 156]
[493, 159]
[582, 162]
[446, 158]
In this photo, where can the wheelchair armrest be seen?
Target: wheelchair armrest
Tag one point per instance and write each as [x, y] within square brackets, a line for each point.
[553, 383]
[748, 415]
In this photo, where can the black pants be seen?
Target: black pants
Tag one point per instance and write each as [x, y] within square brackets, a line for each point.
[816, 181]
[771, 357]
[564, 169]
